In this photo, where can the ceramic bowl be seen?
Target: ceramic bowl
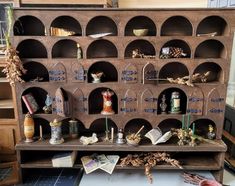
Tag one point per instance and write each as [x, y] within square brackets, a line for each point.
[209, 183]
[140, 32]
[134, 142]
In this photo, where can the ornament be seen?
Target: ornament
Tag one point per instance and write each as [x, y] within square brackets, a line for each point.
[211, 134]
[163, 105]
[96, 77]
[56, 133]
[28, 128]
[107, 103]
[120, 137]
[48, 105]
[79, 52]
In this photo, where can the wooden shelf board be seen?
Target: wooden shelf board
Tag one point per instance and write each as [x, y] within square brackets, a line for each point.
[71, 144]
[6, 104]
[3, 80]
[6, 121]
[188, 163]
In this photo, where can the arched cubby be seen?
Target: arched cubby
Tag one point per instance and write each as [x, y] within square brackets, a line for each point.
[65, 26]
[99, 126]
[29, 26]
[27, 48]
[213, 26]
[35, 72]
[167, 124]
[178, 44]
[145, 47]
[65, 48]
[210, 49]
[140, 22]
[101, 24]
[110, 73]
[133, 125]
[177, 26]
[95, 101]
[216, 74]
[173, 70]
[202, 126]
[39, 95]
[65, 126]
[168, 92]
[102, 49]
[46, 129]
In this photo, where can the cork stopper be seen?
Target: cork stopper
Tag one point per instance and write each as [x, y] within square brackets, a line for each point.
[28, 115]
[55, 123]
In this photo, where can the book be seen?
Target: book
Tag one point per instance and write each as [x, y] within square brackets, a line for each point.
[66, 159]
[156, 137]
[94, 162]
[30, 103]
[109, 167]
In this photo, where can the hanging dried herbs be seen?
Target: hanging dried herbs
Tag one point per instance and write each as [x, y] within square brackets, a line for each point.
[14, 68]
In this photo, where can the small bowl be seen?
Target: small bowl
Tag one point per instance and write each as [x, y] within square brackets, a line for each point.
[209, 183]
[132, 142]
[140, 32]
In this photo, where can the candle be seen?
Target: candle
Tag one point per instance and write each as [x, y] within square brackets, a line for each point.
[188, 123]
[183, 121]
[112, 134]
[106, 124]
[193, 128]
[40, 128]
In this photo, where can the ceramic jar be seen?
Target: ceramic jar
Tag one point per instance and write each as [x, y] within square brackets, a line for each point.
[56, 133]
[28, 128]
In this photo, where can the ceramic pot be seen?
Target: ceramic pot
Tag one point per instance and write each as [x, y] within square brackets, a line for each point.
[209, 183]
[28, 128]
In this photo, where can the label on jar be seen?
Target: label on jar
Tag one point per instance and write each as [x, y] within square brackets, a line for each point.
[176, 103]
[29, 128]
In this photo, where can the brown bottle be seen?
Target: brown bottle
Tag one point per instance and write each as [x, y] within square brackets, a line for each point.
[28, 128]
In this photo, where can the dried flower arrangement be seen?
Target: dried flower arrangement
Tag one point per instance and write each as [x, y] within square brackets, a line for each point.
[149, 160]
[14, 68]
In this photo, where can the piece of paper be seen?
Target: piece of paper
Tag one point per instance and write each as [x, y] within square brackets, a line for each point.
[154, 135]
[164, 138]
[95, 36]
[109, 167]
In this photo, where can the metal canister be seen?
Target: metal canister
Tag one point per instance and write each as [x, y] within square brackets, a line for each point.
[73, 128]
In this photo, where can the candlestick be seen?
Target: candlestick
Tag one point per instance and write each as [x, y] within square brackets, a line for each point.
[188, 123]
[40, 133]
[112, 134]
[106, 124]
[183, 121]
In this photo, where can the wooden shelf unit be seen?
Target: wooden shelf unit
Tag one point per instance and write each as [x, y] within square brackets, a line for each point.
[166, 27]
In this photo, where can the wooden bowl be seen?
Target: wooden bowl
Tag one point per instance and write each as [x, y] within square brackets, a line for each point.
[140, 32]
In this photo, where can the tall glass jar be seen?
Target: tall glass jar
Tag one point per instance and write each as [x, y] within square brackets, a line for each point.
[73, 128]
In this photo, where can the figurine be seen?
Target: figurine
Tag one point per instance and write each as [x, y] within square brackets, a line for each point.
[28, 128]
[120, 137]
[175, 103]
[79, 52]
[107, 103]
[211, 134]
[96, 77]
[73, 128]
[56, 132]
[48, 107]
[163, 105]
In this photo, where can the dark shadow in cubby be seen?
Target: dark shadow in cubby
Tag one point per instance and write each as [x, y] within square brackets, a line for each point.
[46, 129]
[216, 74]
[144, 47]
[35, 71]
[172, 70]
[31, 48]
[101, 24]
[140, 22]
[95, 101]
[65, 49]
[99, 127]
[202, 126]
[134, 125]
[29, 26]
[102, 49]
[39, 95]
[167, 124]
[210, 49]
[65, 127]
[179, 44]
[109, 70]
[176, 26]
[168, 92]
[68, 23]
[213, 24]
